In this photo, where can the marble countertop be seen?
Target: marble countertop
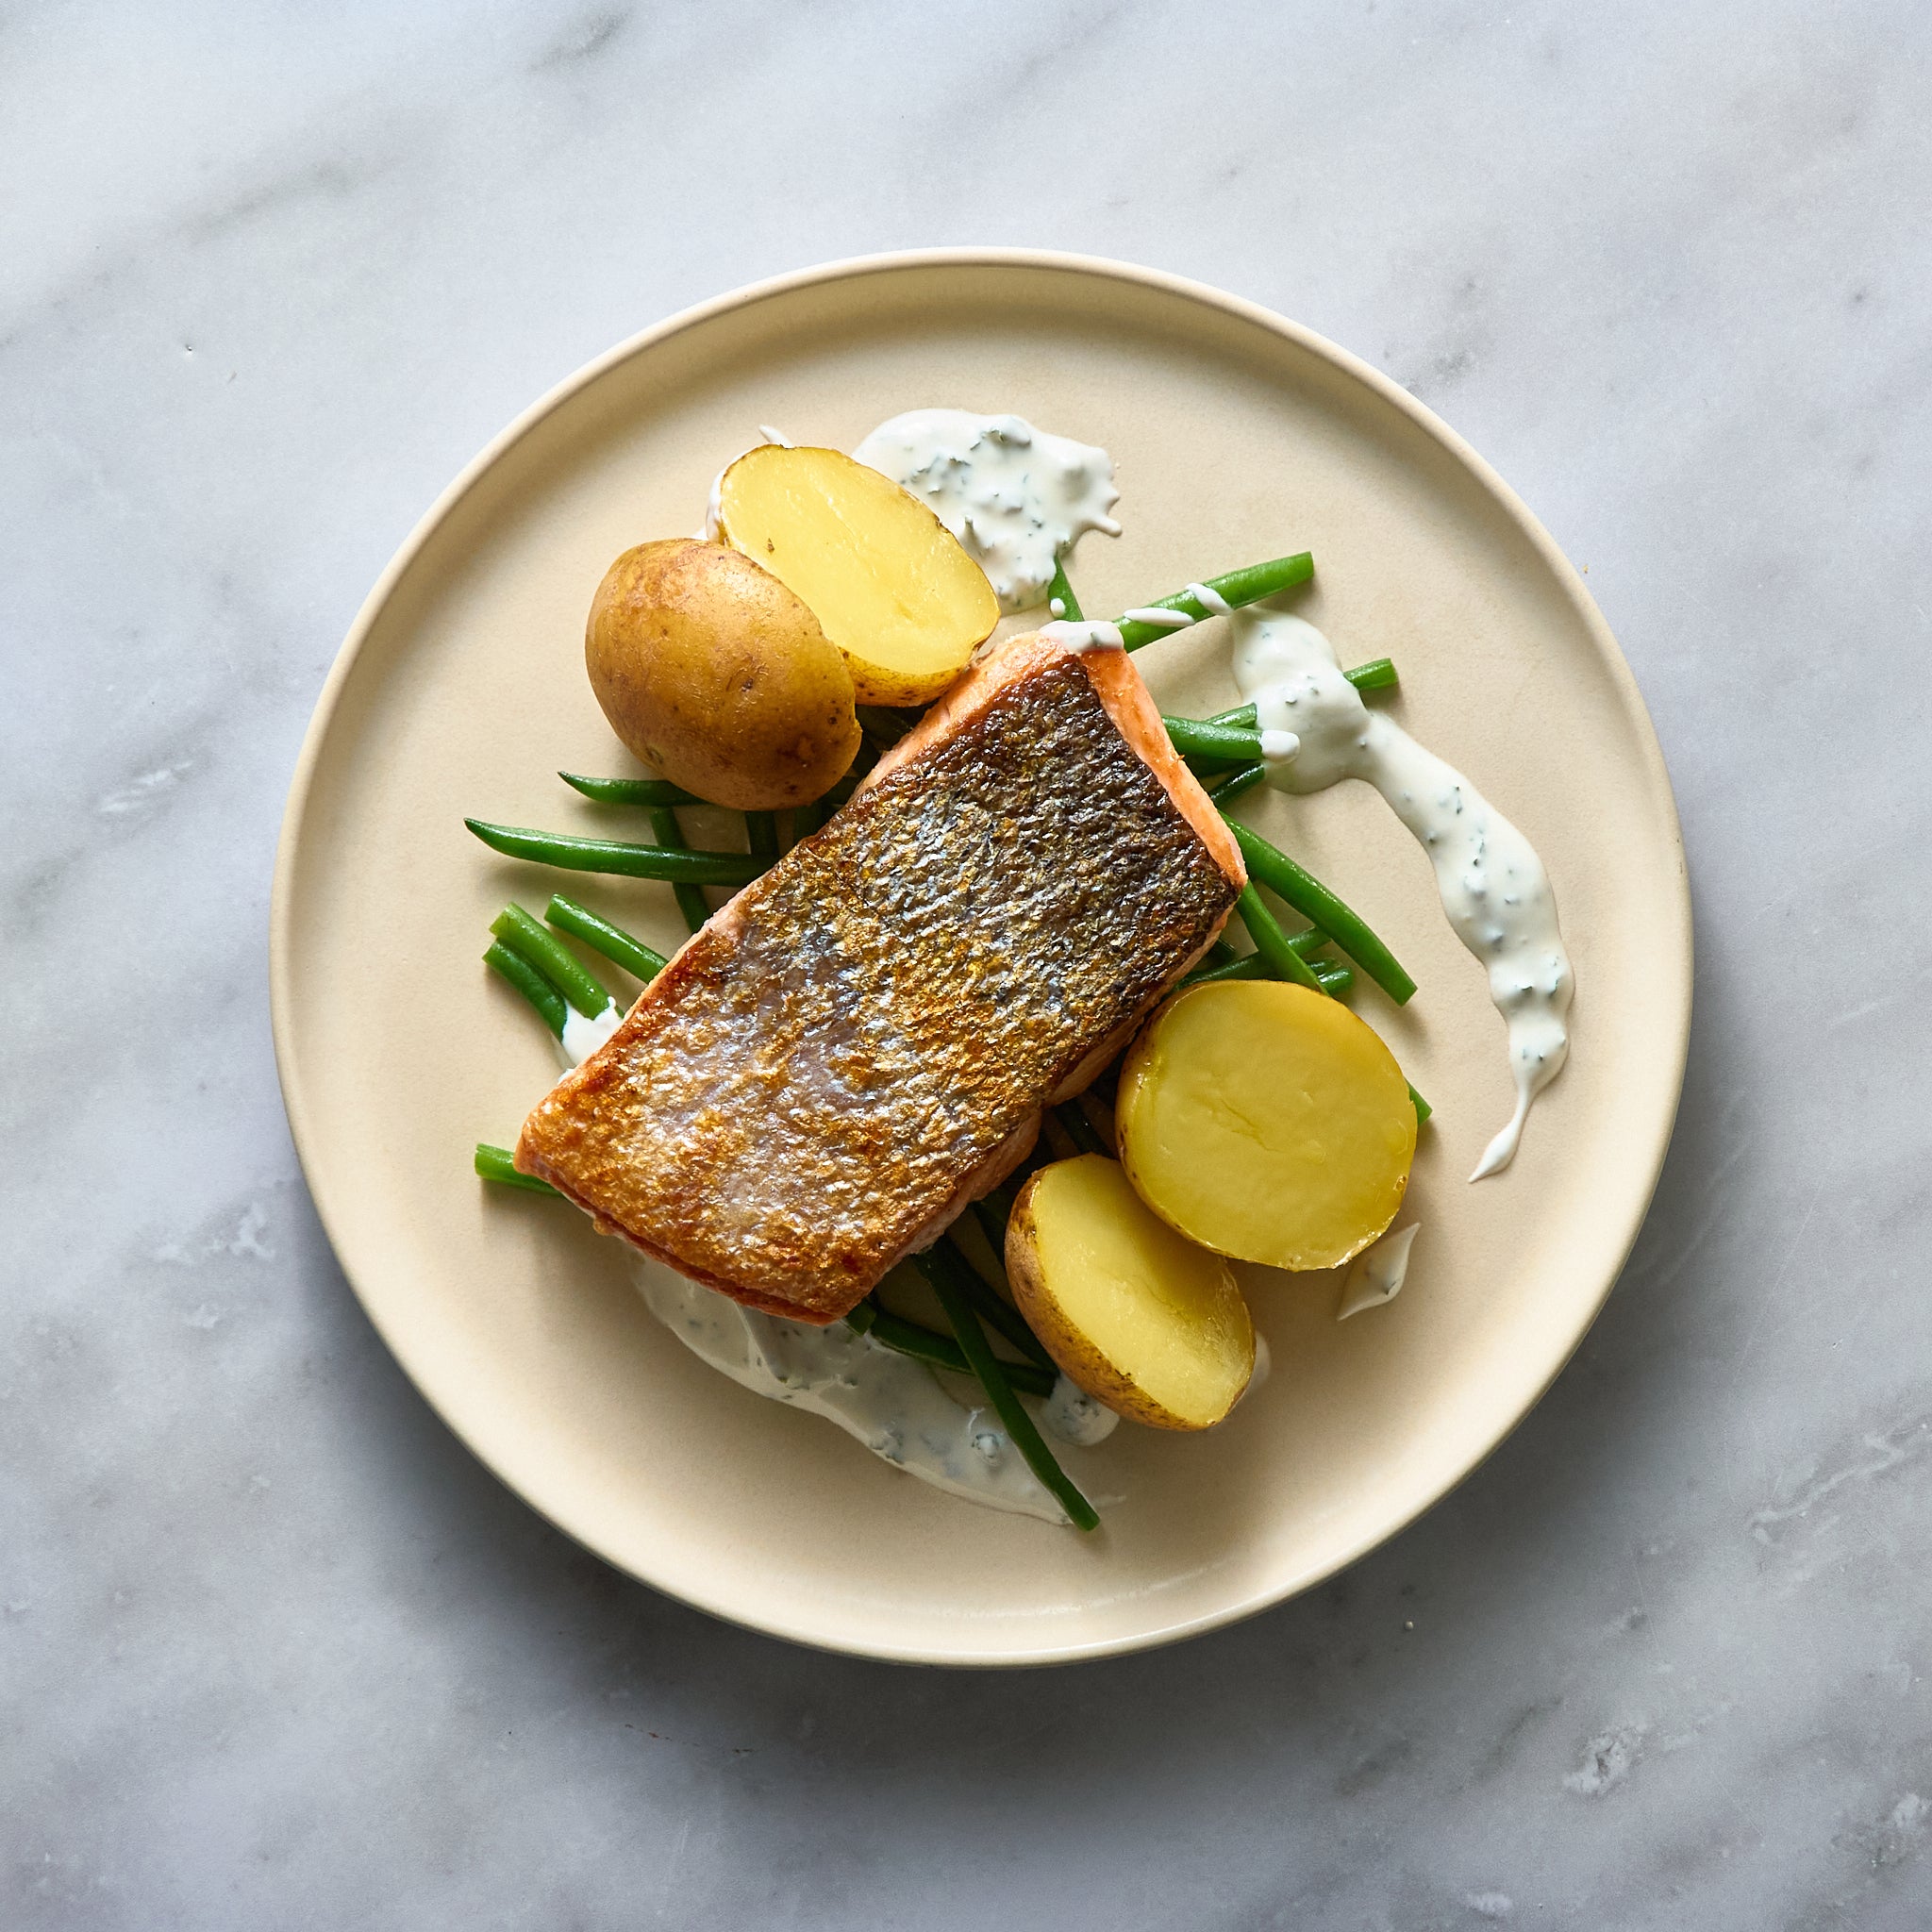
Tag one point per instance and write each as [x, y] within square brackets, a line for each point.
[276, 1651]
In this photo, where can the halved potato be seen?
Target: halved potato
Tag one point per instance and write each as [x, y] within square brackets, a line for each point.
[891, 584]
[709, 669]
[1144, 1320]
[1265, 1121]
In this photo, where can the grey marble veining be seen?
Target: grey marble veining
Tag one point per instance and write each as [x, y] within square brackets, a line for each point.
[274, 1651]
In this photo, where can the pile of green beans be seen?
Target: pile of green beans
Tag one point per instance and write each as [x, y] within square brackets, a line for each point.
[531, 957]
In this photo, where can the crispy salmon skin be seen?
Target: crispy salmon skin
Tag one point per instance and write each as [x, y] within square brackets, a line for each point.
[861, 1041]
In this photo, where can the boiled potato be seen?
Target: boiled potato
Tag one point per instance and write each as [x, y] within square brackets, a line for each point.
[1265, 1121]
[889, 583]
[1145, 1321]
[709, 669]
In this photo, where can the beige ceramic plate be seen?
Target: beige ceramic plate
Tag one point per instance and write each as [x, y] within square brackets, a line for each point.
[1236, 436]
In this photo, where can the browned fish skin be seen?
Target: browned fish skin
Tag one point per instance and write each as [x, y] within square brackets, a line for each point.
[807, 1085]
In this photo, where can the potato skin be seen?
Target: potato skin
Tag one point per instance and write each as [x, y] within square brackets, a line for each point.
[711, 670]
[1074, 1355]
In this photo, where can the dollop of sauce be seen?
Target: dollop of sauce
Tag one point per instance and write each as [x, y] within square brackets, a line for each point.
[889, 1402]
[1077, 1417]
[584, 1034]
[1264, 1364]
[1017, 497]
[1376, 1275]
[1089, 634]
[1494, 888]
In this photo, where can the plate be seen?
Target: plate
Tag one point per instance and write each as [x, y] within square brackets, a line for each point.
[1236, 436]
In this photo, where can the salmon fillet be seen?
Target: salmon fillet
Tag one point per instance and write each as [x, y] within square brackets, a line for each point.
[861, 1041]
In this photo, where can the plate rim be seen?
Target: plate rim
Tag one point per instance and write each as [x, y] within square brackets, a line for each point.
[1674, 925]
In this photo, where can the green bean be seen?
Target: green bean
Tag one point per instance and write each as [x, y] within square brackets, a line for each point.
[1336, 980]
[1271, 943]
[1193, 737]
[1243, 966]
[657, 792]
[1309, 896]
[1319, 906]
[518, 971]
[1099, 1111]
[907, 1337]
[1377, 675]
[863, 759]
[938, 1268]
[1210, 772]
[928, 1345]
[992, 1216]
[1230, 788]
[1224, 962]
[1237, 588]
[761, 834]
[1080, 1130]
[1423, 1109]
[690, 899]
[882, 725]
[808, 818]
[994, 1309]
[601, 936]
[619, 857]
[495, 1164]
[1062, 591]
[552, 959]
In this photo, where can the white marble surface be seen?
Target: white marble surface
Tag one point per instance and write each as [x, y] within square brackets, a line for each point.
[273, 1651]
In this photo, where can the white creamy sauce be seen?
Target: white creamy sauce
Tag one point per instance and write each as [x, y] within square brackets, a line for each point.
[1091, 634]
[889, 1402]
[1493, 887]
[893, 1404]
[1376, 1275]
[583, 1035]
[1017, 497]
[1264, 1363]
[1074, 1416]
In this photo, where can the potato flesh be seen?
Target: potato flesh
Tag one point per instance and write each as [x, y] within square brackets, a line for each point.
[889, 582]
[1267, 1123]
[1144, 1320]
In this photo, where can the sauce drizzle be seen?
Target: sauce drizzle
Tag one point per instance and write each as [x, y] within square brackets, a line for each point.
[1494, 888]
